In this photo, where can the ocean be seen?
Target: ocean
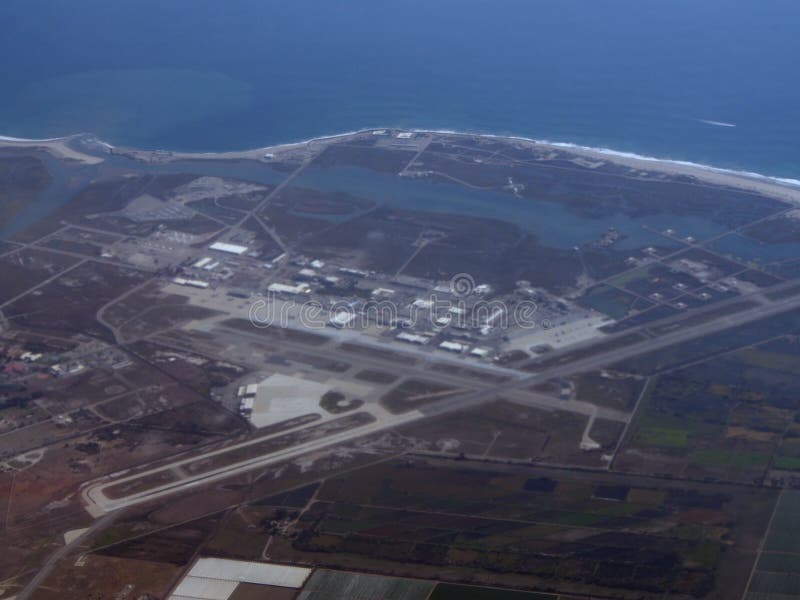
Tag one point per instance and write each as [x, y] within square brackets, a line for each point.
[712, 81]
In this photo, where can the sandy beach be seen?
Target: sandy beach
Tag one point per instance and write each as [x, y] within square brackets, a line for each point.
[788, 190]
[59, 147]
[784, 189]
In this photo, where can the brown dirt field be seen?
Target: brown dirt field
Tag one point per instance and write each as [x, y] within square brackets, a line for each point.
[175, 545]
[249, 591]
[157, 318]
[243, 534]
[70, 393]
[49, 486]
[122, 408]
[68, 303]
[503, 429]
[22, 270]
[104, 577]
[750, 434]
[118, 313]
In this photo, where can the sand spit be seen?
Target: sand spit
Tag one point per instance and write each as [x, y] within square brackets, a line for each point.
[784, 189]
[59, 147]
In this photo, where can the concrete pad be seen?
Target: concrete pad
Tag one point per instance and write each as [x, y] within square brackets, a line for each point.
[283, 397]
[561, 336]
[73, 534]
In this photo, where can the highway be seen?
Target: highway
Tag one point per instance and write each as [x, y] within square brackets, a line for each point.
[98, 503]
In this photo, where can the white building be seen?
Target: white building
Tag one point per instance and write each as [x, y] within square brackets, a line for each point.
[282, 288]
[422, 303]
[412, 338]
[229, 248]
[452, 346]
[381, 292]
[218, 579]
[190, 282]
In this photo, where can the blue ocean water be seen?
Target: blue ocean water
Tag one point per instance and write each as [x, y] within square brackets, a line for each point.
[656, 77]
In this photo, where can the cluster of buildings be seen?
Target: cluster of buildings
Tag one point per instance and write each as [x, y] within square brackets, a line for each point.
[247, 397]
[16, 360]
[408, 310]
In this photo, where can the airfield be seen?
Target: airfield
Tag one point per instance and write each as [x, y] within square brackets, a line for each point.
[440, 358]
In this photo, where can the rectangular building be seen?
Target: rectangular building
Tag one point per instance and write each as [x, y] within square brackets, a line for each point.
[229, 248]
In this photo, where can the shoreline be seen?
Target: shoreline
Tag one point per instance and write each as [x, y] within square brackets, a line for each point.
[782, 187]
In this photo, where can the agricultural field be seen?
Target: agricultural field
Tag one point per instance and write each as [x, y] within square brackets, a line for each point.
[324, 585]
[535, 531]
[776, 575]
[702, 348]
[730, 418]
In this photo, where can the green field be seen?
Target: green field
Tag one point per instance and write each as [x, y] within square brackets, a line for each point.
[518, 528]
[727, 418]
[777, 574]
[663, 437]
[722, 458]
[330, 585]
[611, 301]
[788, 463]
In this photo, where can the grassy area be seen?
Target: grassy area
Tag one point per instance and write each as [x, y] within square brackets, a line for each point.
[663, 437]
[611, 301]
[777, 574]
[789, 463]
[615, 391]
[660, 428]
[706, 554]
[759, 357]
[517, 524]
[718, 458]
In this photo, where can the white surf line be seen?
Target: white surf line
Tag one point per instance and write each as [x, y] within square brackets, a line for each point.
[5, 138]
[786, 181]
[621, 154]
[717, 123]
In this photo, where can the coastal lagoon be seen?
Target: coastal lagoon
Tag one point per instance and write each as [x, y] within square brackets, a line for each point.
[552, 223]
